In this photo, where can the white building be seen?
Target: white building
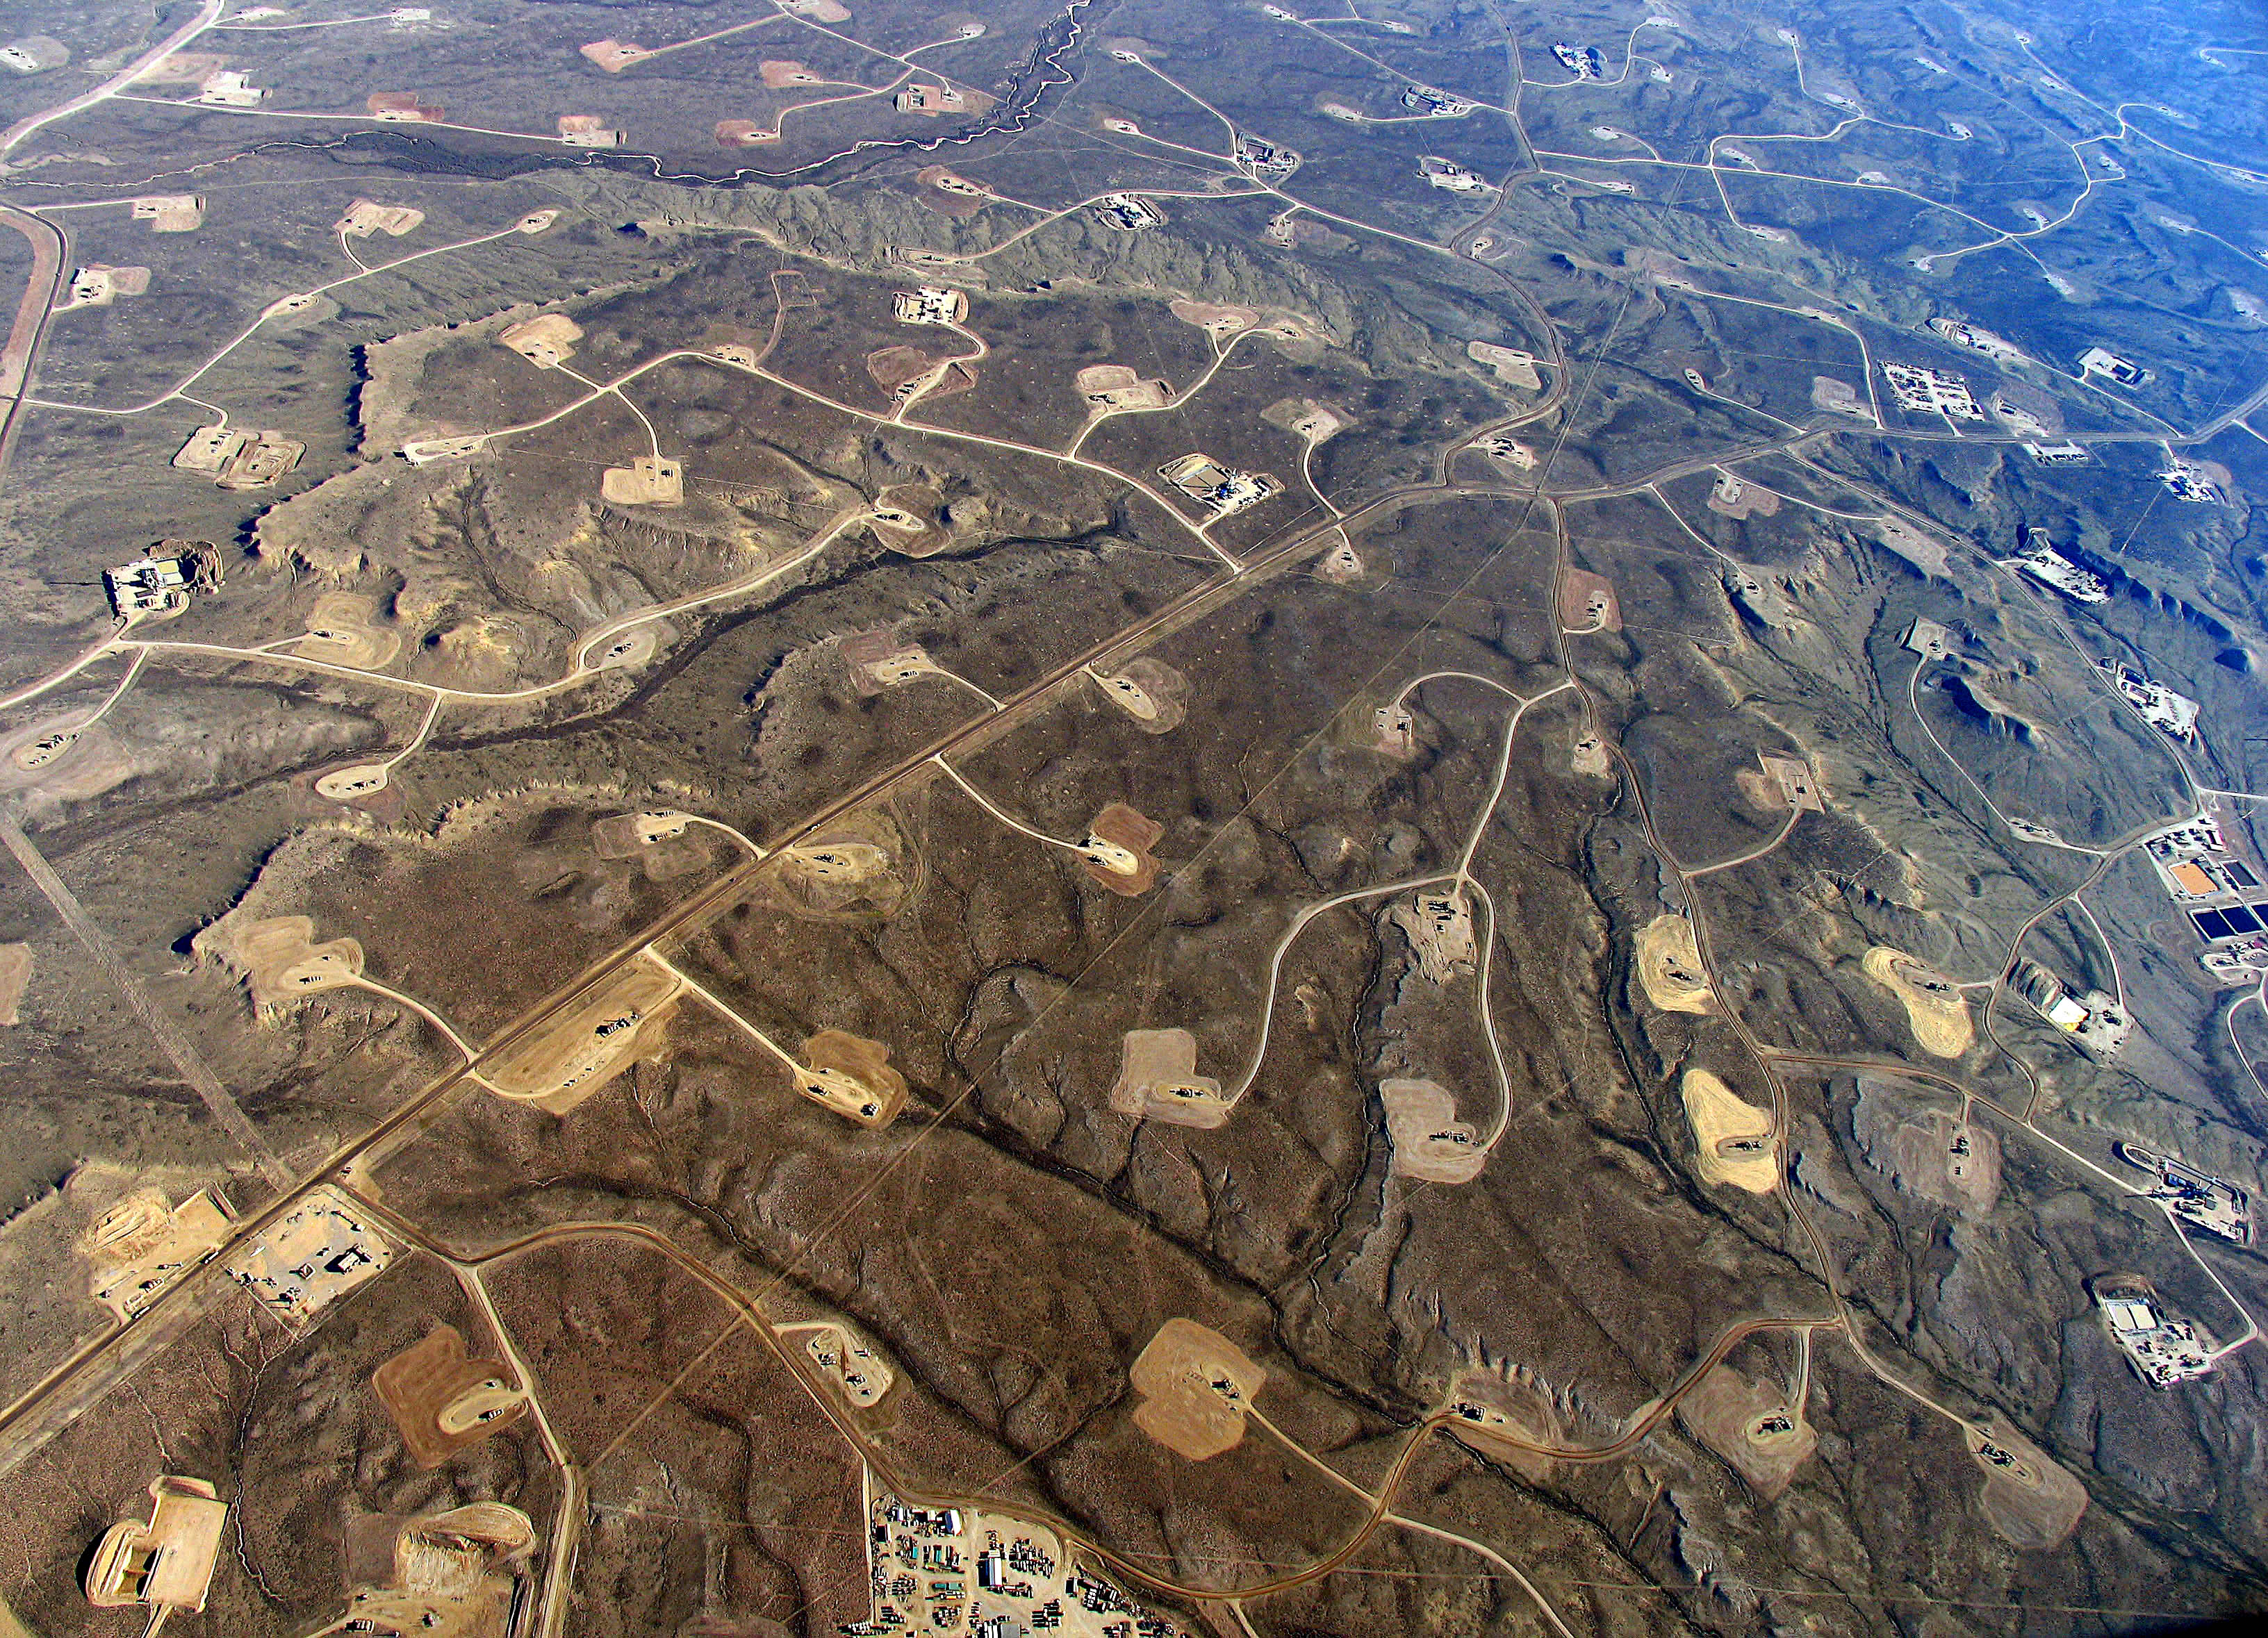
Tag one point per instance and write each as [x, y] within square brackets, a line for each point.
[148, 586]
[2098, 361]
[2163, 1351]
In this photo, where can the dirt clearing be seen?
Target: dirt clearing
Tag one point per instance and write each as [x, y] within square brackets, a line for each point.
[1935, 1009]
[1195, 1386]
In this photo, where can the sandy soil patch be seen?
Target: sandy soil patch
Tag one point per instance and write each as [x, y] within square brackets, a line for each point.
[1946, 1161]
[1158, 1081]
[442, 1401]
[366, 216]
[1428, 1139]
[1840, 397]
[1311, 235]
[847, 1363]
[589, 1041]
[860, 866]
[1735, 1139]
[2026, 1498]
[615, 56]
[648, 481]
[343, 629]
[662, 841]
[1305, 418]
[1909, 543]
[1120, 386]
[1587, 602]
[1762, 795]
[1215, 318]
[547, 339]
[1935, 1010]
[1438, 925]
[279, 957]
[1512, 366]
[1195, 1386]
[1149, 691]
[182, 68]
[1340, 564]
[1502, 1414]
[15, 973]
[1125, 829]
[1731, 496]
[853, 1075]
[1749, 1424]
[1669, 965]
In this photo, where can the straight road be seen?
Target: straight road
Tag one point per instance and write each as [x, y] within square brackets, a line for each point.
[176, 1045]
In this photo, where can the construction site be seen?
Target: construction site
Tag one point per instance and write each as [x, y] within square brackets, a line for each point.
[2163, 1351]
[946, 1570]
